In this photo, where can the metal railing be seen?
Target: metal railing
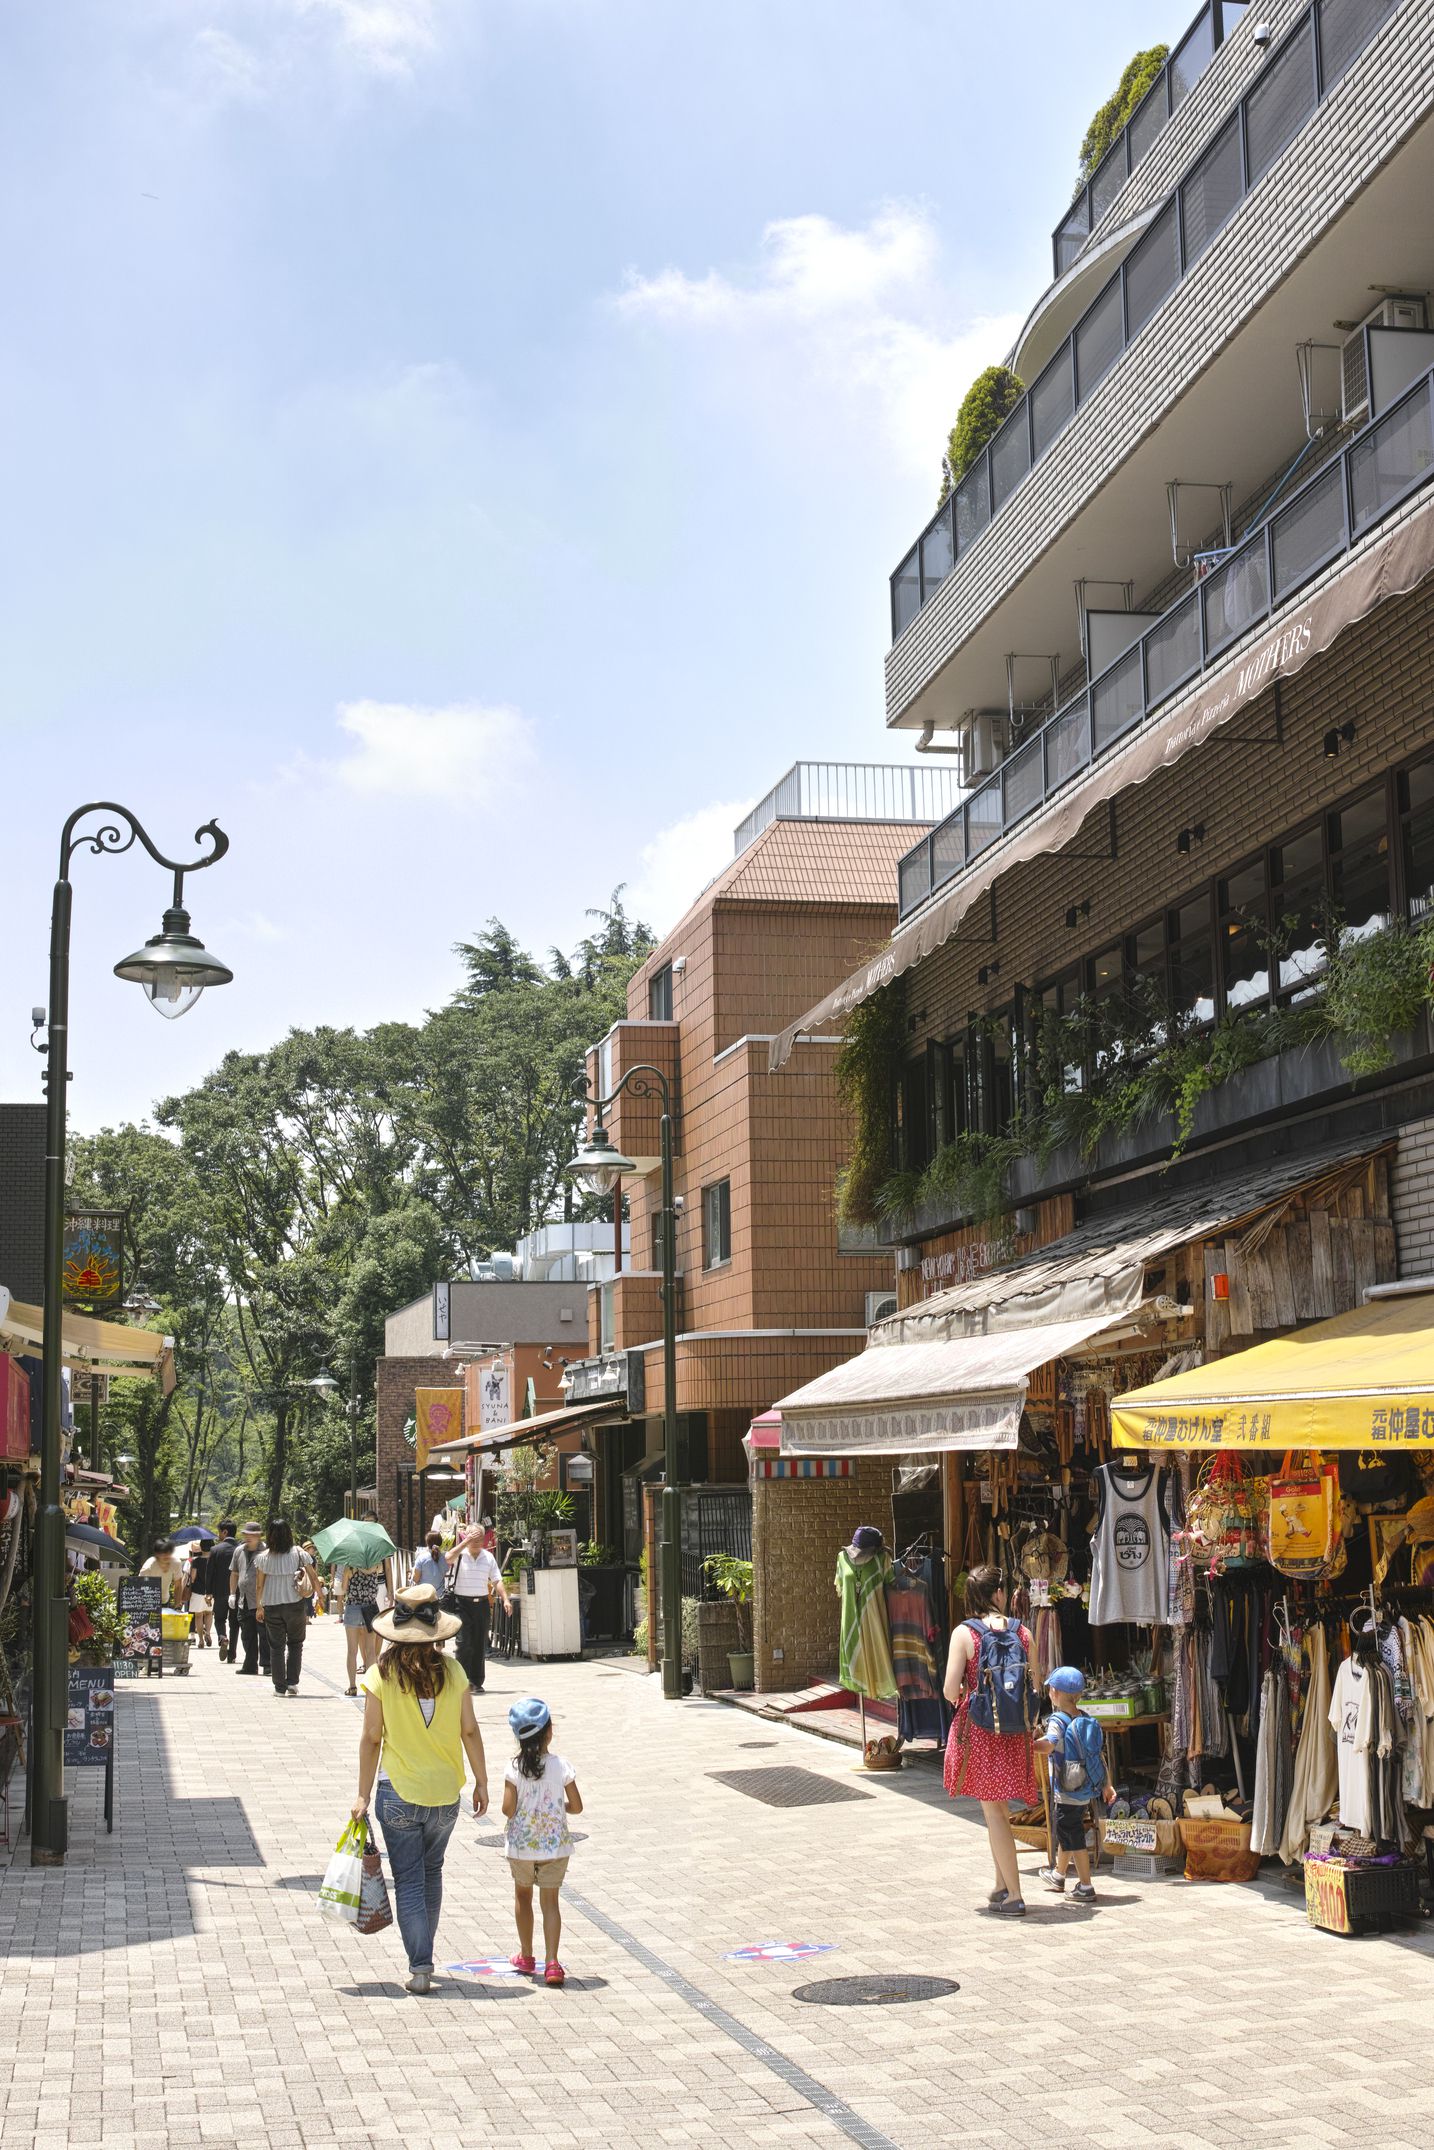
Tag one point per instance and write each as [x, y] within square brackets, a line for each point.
[1318, 50]
[1176, 79]
[1385, 463]
[850, 791]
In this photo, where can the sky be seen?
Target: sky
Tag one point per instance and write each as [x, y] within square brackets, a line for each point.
[461, 445]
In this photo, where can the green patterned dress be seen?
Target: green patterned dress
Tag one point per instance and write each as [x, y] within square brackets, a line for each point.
[864, 1664]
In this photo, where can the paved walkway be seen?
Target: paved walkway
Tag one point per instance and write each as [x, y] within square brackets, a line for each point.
[176, 1984]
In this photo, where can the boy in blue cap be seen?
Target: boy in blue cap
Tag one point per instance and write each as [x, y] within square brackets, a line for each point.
[539, 1793]
[1076, 1747]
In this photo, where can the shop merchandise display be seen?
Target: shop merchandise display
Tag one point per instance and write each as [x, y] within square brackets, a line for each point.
[864, 1663]
[918, 1645]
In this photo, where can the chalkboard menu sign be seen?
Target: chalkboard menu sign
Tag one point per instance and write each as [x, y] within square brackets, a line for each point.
[139, 1598]
[90, 1724]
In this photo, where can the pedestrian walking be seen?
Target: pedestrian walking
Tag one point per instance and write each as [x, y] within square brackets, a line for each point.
[285, 1585]
[988, 1684]
[476, 1579]
[431, 1565]
[165, 1563]
[244, 1600]
[221, 1560]
[539, 1793]
[418, 1723]
[1075, 1744]
[316, 1601]
[359, 1589]
[198, 1599]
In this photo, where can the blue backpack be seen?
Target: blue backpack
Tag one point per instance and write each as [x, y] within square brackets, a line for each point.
[1083, 1754]
[1002, 1698]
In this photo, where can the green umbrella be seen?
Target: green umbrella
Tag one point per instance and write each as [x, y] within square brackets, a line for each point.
[354, 1543]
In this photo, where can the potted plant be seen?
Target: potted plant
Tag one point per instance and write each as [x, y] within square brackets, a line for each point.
[733, 1577]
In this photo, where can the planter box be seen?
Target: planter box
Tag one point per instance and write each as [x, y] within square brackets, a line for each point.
[717, 1633]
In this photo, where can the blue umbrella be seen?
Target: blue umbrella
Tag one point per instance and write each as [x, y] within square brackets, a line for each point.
[88, 1538]
[191, 1531]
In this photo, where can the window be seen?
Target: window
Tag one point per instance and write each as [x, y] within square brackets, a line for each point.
[1301, 910]
[1211, 195]
[1192, 960]
[659, 995]
[1416, 820]
[945, 1094]
[913, 1131]
[717, 1224]
[1051, 1058]
[1244, 934]
[1281, 101]
[1359, 864]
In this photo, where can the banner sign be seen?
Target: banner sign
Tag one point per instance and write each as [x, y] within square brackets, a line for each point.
[140, 1599]
[438, 1420]
[495, 1395]
[93, 1259]
[90, 1723]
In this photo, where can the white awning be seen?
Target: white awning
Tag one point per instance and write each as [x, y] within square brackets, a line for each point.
[909, 1399]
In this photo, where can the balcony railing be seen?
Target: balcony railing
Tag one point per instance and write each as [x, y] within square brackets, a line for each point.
[1386, 462]
[1176, 79]
[850, 791]
[1321, 47]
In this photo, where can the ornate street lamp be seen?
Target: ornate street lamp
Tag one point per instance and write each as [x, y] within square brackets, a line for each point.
[174, 969]
[599, 1166]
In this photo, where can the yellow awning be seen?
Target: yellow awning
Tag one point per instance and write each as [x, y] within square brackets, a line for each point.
[1363, 1380]
[108, 1345]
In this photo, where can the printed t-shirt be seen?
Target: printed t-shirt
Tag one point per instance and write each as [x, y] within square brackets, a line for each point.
[1353, 1766]
[538, 1828]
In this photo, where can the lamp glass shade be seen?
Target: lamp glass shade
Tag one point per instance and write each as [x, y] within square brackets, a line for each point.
[324, 1382]
[173, 967]
[599, 1165]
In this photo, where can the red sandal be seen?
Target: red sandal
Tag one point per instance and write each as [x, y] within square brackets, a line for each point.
[553, 1973]
[524, 1963]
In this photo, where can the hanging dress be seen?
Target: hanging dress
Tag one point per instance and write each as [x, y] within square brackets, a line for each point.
[988, 1765]
[922, 1713]
[1316, 1780]
[864, 1664]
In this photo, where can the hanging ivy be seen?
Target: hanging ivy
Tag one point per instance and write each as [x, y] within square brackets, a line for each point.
[868, 1066]
[1115, 113]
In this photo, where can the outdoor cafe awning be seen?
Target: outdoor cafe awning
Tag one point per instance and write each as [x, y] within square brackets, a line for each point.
[545, 1426]
[107, 1345]
[1364, 1379]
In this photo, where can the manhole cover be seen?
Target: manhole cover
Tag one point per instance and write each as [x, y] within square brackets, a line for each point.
[787, 1787]
[874, 1992]
[491, 1843]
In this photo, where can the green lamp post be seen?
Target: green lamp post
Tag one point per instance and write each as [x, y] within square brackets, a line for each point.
[174, 969]
[599, 1165]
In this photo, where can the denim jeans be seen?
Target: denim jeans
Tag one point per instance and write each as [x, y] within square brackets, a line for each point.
[415, 1839]
[284, 1625]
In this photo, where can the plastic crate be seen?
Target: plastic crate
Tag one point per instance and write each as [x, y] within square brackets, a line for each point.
[1344, 1899]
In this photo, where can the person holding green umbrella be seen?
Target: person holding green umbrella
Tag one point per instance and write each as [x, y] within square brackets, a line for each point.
[363, 1554]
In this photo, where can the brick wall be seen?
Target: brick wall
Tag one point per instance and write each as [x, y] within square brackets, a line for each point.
[1411, 1190]
[799, 1525]
[22, 1201]
[395, 1383]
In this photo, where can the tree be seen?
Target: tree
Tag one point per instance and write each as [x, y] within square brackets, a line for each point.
[985, 407]
[1115, 113]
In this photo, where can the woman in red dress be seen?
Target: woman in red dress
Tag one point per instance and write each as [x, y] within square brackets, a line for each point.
[994, 1767]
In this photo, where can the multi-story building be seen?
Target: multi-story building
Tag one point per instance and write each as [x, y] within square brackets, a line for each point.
[770, 1292]
[1161, 969]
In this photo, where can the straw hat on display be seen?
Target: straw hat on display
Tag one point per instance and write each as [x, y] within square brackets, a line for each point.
[416, 1616]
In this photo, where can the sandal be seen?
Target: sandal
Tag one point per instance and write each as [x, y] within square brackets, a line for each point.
[526, 1964]
[553, 1973]
[350, 1690]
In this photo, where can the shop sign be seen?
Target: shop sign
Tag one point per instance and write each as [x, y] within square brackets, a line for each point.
[961, 1265]
[93, 1258]
[1326, 1898]
[90, 1724]
[1132, 1835]
[442, 1316]
[14, 1410]
[577, 1470]
[139, 1599]
[616, 1373]
[495, 1397]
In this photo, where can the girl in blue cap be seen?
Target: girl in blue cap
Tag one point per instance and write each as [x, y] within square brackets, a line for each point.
[539, 1793]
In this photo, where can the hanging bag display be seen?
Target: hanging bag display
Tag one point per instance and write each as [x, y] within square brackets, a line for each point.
[1302, 1523]
[1225, 1521]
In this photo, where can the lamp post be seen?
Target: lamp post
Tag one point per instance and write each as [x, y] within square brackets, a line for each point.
[327, 1385]
[173, 968]
[598, 1166]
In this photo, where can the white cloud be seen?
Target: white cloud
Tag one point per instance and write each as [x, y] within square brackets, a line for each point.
[465, 753]
[249, 48]
[835, 325]
[680, 860]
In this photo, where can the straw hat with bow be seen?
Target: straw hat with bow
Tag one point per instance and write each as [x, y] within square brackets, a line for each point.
[417, 1616]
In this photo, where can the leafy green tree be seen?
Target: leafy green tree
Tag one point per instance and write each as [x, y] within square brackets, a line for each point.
[985, 407]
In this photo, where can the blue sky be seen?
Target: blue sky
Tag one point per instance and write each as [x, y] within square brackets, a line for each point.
[461, 444]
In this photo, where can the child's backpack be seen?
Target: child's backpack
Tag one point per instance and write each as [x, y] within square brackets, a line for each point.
[1083, 1754]
[1002, 1698]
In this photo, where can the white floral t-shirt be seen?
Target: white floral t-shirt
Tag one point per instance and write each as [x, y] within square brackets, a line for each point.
[538, 1828]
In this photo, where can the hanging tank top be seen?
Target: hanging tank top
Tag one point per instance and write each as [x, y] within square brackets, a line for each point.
[1129, 1547]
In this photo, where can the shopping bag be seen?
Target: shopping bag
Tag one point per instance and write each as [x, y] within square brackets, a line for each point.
[375, 1911]
[1303, 1517]
[341, 1891]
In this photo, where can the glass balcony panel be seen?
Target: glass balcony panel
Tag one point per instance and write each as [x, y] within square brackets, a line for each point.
[1395, 456]
[973, 509]
[1148, 120]
[938, 554]
[1023, 778]
[1110, 177]
[1117, 700]
[1010, 456]
[983, 815]
[1309, 531]
[1152, 271]
[1345, 28]
[1099, 340]
[1053, 399]
[1072, 233]
[913, 877]
[1190, 60]
[1280, 103]
[1211, 194]
[1067, 744]
[948, 849]
[1236, 596]
[905, 594]
[1172, 650]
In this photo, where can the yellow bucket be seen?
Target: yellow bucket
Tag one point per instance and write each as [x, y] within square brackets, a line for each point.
[174, 1626]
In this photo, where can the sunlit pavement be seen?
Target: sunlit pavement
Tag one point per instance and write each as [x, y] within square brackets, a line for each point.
[177, 1983]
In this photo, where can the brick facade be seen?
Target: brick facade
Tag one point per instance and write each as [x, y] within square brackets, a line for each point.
[22, 1202]
[1411, 1188]
[799, 1525]
[395, 1381]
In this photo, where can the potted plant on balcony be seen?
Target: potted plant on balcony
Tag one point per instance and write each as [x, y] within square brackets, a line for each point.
[733, 1577]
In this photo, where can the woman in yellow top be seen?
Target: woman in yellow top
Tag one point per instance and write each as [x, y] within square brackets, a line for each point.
[417, 1724]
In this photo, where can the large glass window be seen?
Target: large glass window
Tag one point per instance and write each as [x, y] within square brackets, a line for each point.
[1359, 865]
[1244, 938]
[659, 995]
[1099, 340]
[945, 1094]
[1300, 906]
[1192, 960]
[1416, 814]
[1055, 1062]
[1212, 193]
[1152, 271]
[1280, 102]
[1345, 28]
[717, 1224]
[913, 1128]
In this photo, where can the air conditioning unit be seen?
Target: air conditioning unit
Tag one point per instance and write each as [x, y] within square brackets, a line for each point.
[983, 743]
[878, 1305]
[1400, 310]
